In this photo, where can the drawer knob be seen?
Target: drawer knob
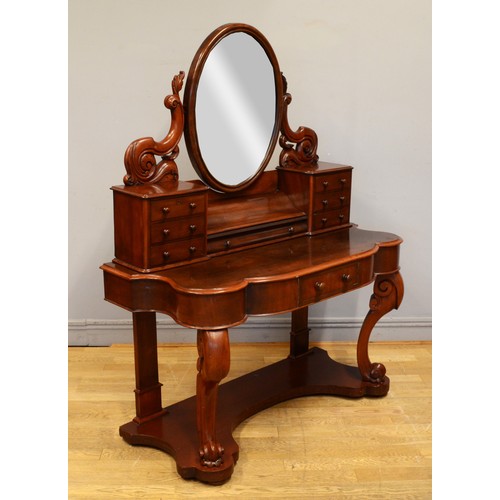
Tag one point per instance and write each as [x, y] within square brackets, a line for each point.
[324, 220]
[341, 216]
[192, 228]
[325, 184]
[166, 255]
[192, 205]
[291, 230]
[165, 210]
[227, 243]
[319, 285]
[166, 232]
[343, 181]
[342, 199]
[192, 250]
[346, 277]
[325, 203]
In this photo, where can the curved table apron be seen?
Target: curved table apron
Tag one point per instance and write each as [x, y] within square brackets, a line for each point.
[220, 292]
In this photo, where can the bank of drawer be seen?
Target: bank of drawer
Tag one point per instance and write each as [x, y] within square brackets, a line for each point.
[182, 206]
[169, 230]
[333, 182]
[331, 200]
[176, 252]
[325, 284]
[332, 218]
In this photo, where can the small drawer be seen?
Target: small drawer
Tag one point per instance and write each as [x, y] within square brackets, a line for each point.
[162, 255]
[325, 284]
[332, 218]
[172, 207]
[170, 230]
[333, 182]
[331, 200]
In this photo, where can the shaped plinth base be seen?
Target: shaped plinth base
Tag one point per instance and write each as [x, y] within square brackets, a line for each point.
[174, 430]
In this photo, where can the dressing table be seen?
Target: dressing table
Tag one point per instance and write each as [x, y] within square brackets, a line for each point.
[242, 240]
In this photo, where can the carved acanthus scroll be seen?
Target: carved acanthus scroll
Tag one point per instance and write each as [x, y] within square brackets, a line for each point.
[306, 140]
[213, 366]
[140, 156]
[387, 295]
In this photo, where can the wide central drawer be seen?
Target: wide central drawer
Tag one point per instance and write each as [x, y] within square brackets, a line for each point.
[235, 239]
[324, 284]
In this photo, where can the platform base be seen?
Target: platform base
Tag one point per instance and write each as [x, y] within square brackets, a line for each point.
[174, 430]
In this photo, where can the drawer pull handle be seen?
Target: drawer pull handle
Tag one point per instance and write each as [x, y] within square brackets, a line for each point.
[166, 232]
[325, 203]
[324, 220]
[346, 277]
[325, 184]
[291, 230]
[341, 216]
[227, 243]
[192, 205]
[192, 228]
[165, 210]
[342, 199]
[319, 285]
[192, 250]
[166, 255]
[343, 181]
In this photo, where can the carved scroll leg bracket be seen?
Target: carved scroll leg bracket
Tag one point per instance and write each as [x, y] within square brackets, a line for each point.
[213, 366]
[387, 295]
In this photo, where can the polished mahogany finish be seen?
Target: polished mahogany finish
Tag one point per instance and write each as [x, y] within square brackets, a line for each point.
[278, 243]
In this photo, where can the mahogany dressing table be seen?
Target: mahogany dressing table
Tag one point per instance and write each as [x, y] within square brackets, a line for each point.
[241, 241]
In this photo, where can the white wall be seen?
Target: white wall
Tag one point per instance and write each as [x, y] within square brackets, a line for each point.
[359, 72]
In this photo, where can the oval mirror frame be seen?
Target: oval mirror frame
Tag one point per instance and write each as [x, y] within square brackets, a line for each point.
[190, 94]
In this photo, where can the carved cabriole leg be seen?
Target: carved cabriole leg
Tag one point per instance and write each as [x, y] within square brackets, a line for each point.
[147, 386]
[387, 295]
[299, 335]
[213, 366]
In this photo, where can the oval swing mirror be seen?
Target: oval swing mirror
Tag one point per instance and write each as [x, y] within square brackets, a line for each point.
[233, 107]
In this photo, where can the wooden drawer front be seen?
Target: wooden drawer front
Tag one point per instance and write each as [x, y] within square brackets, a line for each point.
[331, 200]
[163, 255]
[333, 182]
[230, 242]
[181, 206]
[325, 284]
[169, 230]
[331, 218]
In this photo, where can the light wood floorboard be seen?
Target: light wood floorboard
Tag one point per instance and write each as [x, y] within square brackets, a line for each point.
[317, 447]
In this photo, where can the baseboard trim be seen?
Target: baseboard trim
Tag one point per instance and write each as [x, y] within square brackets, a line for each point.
[90, 332]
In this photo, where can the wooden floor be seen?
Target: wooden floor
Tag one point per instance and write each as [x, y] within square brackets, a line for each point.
[313, 447]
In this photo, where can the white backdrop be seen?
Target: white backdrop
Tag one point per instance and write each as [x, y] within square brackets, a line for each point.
[359, 72]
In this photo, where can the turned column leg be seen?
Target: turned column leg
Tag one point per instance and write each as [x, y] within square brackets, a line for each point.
[299, 335]
[387, 295]
[147, 386]
[213, 366]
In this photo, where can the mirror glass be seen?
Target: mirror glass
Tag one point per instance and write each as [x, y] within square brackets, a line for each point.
[234, 98]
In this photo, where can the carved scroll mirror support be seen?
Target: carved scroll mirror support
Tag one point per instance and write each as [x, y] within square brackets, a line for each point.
[140, 157]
